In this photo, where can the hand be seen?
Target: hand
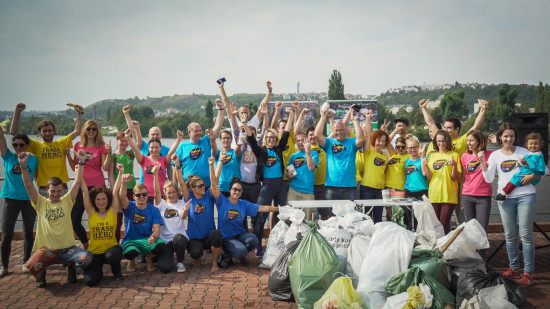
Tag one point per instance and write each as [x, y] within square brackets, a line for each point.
[451, 162]
[68, 151]
[23, 157]
[305, 111]
[19, 107]
[108, 147]
[527, 179]
[423, 103]
[187, 205]
[120, 167]
[126, 178]
[384, 127]
[220, 83]
[328, 113]
[152, 239]
[223, 153]
[78, 108]
[268, 84]
[156, 168]
[481, 155]
[219, 103]
[81, 156]
[135, 124]
[423, 160]
[524, 162]
[295, 104]
[421, 151]
[175, 159]
[307, 146]
[126, 109]
[263, 108]
[368, 115]
[279, 106]
[128, 133]
[211, 135]
[289, 175]
[482, 103]
[492, 139]
[288, 110]
[179, 135]
[211, 160]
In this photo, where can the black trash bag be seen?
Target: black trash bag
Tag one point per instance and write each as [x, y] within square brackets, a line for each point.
[471, 282]
[278, 284]
[225, 260]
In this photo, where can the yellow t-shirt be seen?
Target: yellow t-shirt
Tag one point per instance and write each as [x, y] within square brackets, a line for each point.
[359, 163]
[459, 145]
[395, 171]
[51, 159]
[374, 169]
[321, 170]
[102, 232]
[289, 150]
[54, 228]
[442, 188]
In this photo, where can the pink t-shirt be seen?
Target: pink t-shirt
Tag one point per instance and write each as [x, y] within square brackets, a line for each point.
[148, 177]
[93, 172]
[474, 183]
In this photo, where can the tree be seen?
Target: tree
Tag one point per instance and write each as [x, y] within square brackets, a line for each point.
[209, 111]
[147, 113]
[452, 105]
[506, 103]
[543, 99]
[335, 86]
[253, 107]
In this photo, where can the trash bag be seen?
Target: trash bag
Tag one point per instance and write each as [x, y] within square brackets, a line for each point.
[465, 246]
[415, 297]
[414, 276]
[342, 295]
[297, 227]
[357, 250]
[278, 284]
[398, 216]
[433, 264]
[276, 240]
[426, 240]
[388, 255]
[470, 283]
[489, 298]
[312, 268]
[426, 217]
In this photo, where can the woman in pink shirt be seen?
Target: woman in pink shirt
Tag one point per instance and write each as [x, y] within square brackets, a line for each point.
[476, 192]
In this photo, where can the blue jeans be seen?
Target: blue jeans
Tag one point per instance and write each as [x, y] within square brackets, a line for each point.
[239, 246]
[273, 189]
[524, 209]
[338, 193]
[368, 193]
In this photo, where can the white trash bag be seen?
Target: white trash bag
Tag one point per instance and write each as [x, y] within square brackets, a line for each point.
[297, 227]
[465, 245]
[426, 240]
[388, 255]
[357, 251]
[276, 240]
[337, 231]
[400, 300]
[426, 217]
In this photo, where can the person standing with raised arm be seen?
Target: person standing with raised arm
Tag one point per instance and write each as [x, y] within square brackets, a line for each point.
[55, 243]
[50, 153]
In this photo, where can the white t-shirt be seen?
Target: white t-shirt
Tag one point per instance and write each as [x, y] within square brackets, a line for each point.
[254, 122]
[505, 166]
[173, 223]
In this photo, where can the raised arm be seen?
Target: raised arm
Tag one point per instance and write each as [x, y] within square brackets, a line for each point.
[227, 105]
[275, 120]
[86, 198]
[427, 117]
[290, 121]
[3, 144]
[133, 145]
[321, 139]
[179, 176]
[297, 111]
[424, 164]
[106, 157]
[360, 140]
[481, 116]
[185, 211]
[122, 191]
[346, 120]
[111, 177]
[81, 156]
[300, 119]
[367, 129]
[309, 159]
[115, 205]
[156, 185]
[212, 136]
[78, 125]
[265, 99]
[219, 119]
[332, 125]
[214, 175]
[14, 128]
[175, 145]
[31, 190]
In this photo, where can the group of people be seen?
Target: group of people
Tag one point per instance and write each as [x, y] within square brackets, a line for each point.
[255, 170]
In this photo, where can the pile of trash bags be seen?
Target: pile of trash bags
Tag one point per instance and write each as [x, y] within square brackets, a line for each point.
[349, 262]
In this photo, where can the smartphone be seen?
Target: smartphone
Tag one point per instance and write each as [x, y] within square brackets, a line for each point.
[356, 108]
[221, 80]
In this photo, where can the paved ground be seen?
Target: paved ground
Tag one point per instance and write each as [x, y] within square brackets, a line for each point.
[236, 287]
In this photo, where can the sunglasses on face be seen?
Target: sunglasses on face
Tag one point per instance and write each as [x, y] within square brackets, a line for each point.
[16, 145]
[91, 129]
[236, 190]
[400, 147]
[200, 186]
[271, 137]
[141, 194]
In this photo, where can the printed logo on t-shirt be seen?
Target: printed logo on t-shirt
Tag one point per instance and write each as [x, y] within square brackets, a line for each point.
[299, 162]
[248, 157]
[410, 169]
[508, 165]
[439, 164]
[195, 154]
[149, 169]
[233, 214]
[379, 161]
[199, 209]
[394, 160]
[227, 158]
[170, 213]
[54, 214]
[473, 166]
[271, 161]
[338, 148]
[16, 169]
[52, 152]
[104, 231]
[139, 219]
[89, 156]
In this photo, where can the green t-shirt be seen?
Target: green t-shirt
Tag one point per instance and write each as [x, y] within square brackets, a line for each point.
[127, 160]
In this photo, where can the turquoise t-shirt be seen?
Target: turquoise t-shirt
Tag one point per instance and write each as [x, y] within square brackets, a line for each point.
[13, 183]
[164, 150]
[304, 179]
[231, 216]
[272, 166]
[200, 220]
[415, 182]
[340, 162]
[194, 159]
[231, 168]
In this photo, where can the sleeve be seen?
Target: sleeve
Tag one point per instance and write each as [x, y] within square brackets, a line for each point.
[39, 202]
[254, 145]
[315, 157]
[352, 141]
[489, 175]
[34, 164]
[359, 165]
[537, 164]
[76, 146]
[144, 149]
[328, 144]
[251, 208]
[220, 200]
[157, 218]
[102, 149]
[284, 141]
[457, 160]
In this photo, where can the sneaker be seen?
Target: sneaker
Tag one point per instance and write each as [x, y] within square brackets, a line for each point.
[24, 268]
[526, 280]
[42, 283]
[180, 267]
[259, 252]
[500, 197]
[118, 276]
[3, 271]
[71, 274]
[510, 273]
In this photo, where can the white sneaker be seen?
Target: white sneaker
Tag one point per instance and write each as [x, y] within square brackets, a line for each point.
[4, 271]
[181, 267]
[24, 268]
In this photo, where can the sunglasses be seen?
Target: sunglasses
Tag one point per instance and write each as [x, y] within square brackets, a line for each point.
[91, 129]
[200, 186]
[236, 190]
[140, 194]
[271, 137]
[16, 145]
[400, 147]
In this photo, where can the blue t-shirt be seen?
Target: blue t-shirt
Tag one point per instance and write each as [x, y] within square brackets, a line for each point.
[304, 179]
[340, 162]
[138, 223]
[415, 182]
[194, 159]
[13, 183]
[230, 216]
[200, 221]
[272, 166]
[164, 150]
[231, 168]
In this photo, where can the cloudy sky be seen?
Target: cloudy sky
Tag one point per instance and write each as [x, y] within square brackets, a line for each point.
[54, 52]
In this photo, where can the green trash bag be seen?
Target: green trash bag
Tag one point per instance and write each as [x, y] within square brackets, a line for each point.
[433, 264]
[398, 216]
[312, 268]
[342, 295]
[414, 276]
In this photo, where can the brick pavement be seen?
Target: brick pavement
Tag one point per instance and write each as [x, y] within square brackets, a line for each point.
[236, 287]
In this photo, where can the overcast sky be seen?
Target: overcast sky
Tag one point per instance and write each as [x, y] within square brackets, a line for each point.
[54, 52]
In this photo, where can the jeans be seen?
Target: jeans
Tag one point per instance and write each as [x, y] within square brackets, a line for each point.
[178, 244]
[44, 257]
[368, 193]
[273, 189]
[338, 193]
[76, 217]
[477, 207]
[320, 193]
[9, 217]
[524, 209]
[251, 192]
[196, 247]
[94, 272]
[239, 246]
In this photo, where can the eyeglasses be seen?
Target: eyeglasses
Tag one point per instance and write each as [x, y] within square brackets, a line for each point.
[91, 129]
[199, 186]
[400, 147]
[271, 137]
[236, 190]
[16, 145]
[413, 148]
[140, 194]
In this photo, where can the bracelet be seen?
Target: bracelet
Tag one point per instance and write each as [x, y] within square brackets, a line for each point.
[178, 167]
[81, 113]
[81, 163]
[220, 109]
